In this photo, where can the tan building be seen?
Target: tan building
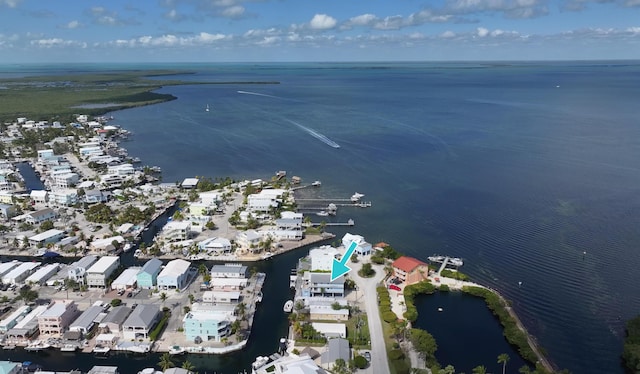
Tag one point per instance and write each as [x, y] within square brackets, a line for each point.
[410, 270]
[58, 317]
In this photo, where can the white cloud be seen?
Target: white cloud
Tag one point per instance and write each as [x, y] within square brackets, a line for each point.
[634, 29]
[482, 32]
[363, 19]
[448, 34]
[205, 37]
[10, 3]
[57, 42]
[322, 22]
[268, 40]
[509, 8]
[233, 11]
[72, 24]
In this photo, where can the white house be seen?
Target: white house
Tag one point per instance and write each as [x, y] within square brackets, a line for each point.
[215, 244]
[363, 247]
[214, 297]
[229, 271]
[65, 179]
[44, 238]
[189, 183]
[41, 275]
[321, 258]
[174, 275]
[78, 269]
[64, 197]
[99, 272]
[19, 273]
[106, 244]
[127, 279]
[39, 216]
[39, 196]
[176, 231]
[248, 239]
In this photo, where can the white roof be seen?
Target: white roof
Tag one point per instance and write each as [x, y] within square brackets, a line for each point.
[17, 313]
[175, 268]
[46, 235]
[44, 272]
[29, 317]
[221, 295]
[86, 184]
[127, 278]
[7, 266]
[125, 227]
[330, 328]
[221, 282]
[103, 264]
[57, 309]
[38, 193]
[106, 337]
[206, 316]
[101, 243]
[321, 309]
[20, 269]
[176, 225]
[189, 182]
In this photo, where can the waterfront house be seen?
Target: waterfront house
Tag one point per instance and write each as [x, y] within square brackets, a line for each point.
[11, 320]
[94, 196]
[19, 273]
[41, 275]
[99, 272]
[330, 330]
[321, 308]
[140, 322]
[410, 270]
[248, 239]
[264, 201]
[126, 280]
[122, 169]
[39, 196]
[44, 154]
[106, 341]
[174, 275]
[363, 248]
[27, 327]
[292, 364]
[320, 284]
[77, 270]
[210, 198]
[189, 183]
[65, 244]
[175, 231]
[63, 197]
[321, 258]
[228, 284]
[206, 326]
[6, 267]
[336, 348]
[289, 224]
[64, 179]
[112, 322]
[56, 319]
[44, 238]
[39, 216]
[223, 297]
[8, 211]
[147, 277]
[106, 244]
[6, 197]
[229, 271]
[87, 320]
[215, 245]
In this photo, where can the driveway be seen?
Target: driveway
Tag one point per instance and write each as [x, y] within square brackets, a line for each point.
[379, 359]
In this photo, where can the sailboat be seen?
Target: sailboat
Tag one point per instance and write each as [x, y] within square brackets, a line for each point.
[207, 109]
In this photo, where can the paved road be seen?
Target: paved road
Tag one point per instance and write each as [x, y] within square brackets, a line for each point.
[379, 362]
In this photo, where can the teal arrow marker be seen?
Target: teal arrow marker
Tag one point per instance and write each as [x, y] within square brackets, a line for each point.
[340, 267]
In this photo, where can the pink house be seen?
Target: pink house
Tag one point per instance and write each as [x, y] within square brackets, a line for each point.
[58, 317]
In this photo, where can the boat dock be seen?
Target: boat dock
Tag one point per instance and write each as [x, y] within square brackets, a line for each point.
[348, 223]
[445, 260]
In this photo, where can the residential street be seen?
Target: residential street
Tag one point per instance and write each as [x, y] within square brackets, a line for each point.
[379, 362]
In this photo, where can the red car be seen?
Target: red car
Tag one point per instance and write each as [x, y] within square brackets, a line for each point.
[394, 287]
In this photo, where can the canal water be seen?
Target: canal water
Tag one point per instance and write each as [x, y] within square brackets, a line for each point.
[467, 333]
[31, 179]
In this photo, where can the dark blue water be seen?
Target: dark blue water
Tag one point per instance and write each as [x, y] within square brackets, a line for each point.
[467, 333]
[517, 168]
[31, 179]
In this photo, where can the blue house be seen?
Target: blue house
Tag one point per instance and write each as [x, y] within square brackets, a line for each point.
[200, 326]
[148, 275]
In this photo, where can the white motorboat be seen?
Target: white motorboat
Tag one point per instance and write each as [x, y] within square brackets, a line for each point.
[137, 253]
[69, 348]
[316, 184]
[259, 297]
[356, 197]
[177, 350]
[101, 349]
[207, 108]
[288, 306]
[37, 346]
[322, 213]
[260, 362]
[127, 247]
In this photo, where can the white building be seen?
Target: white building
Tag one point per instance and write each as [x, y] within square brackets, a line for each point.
[6, 267]
[229, 271]
[174, 275]
[215, 245]
[175, 231]
[65, 179]
[363, 247]
[189, 183]
[106, 244]
[19, 273]
[63, 197]
[321, 258]
[41, 275]
[44, 238]
[222, 297]
[99, 272]
[77, 271]
[37, 217]
[331, 330]
[126, 280]
[248, 239]
[39, 196]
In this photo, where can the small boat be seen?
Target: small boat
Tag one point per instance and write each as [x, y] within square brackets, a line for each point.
[259, 297]
[37, 346]
[139, 348]
[207, 108]
[137, 253]
[356, 197]
[127, 247]
[9, 347]
[288, 306]
[100, 349]
[322, 213]
[316, 184]
[440, 309]
[260, 362]
[68, 348]
[176, 350]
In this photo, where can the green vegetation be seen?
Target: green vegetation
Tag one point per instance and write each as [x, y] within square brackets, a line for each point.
[631, 350]
[390, 331]
[454, 274]
[115, 302]
[58, 97]
[166, 362]
[155, 333]
[360, 362]
[366, 271]
[424, 287]
[387, 253]
[512, 332]
[27, 294]
[425, 345]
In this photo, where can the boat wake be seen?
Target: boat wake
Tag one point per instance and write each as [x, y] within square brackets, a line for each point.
[316, 135]
[258, 94]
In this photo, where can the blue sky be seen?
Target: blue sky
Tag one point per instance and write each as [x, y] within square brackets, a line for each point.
[320, 30]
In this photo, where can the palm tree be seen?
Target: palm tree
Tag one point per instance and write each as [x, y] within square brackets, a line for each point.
[480, 369]
[166, 362]
[503, 359]
[163, 297]
[187, 365]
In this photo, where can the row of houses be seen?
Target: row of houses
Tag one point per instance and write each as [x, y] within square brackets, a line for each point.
[62, 318]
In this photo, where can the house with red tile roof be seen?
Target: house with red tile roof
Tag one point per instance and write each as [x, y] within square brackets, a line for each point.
[410, 270]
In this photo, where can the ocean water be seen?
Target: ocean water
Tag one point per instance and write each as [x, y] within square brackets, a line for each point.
[528, 171]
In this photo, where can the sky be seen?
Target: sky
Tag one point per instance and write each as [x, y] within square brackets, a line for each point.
[46, 31]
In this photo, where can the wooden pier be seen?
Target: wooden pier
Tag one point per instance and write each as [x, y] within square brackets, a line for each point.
[348, 223]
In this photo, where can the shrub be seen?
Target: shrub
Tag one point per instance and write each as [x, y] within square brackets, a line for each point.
[389, 316]
[396, 354]
[360, 362]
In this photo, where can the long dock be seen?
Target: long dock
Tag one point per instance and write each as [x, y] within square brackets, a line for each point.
[348, 223]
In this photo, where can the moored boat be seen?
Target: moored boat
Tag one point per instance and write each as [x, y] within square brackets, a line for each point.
[176, 350]
[68, 348]
[288, 306]
[322, 213]
[356, 197]
[316, 184]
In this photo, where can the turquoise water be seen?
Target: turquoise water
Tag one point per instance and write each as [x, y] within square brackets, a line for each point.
[517, 168]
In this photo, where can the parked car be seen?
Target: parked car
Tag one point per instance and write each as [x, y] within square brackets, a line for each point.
[129, 294]
[367, 356]
[394, 287]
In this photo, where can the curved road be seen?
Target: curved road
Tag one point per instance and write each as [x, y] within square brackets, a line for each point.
[367, 286]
